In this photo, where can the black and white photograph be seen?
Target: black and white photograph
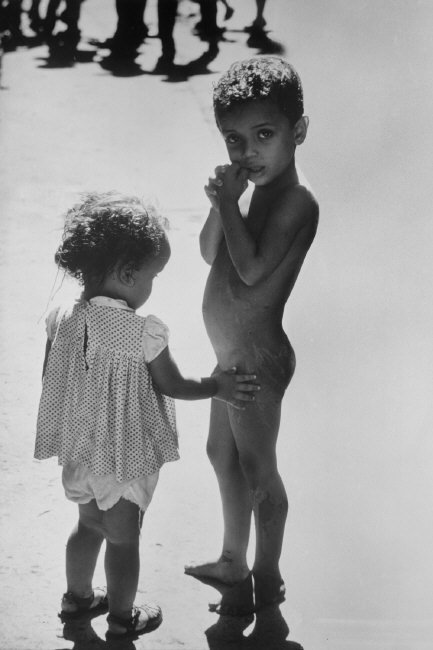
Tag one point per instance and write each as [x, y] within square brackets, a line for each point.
[216, 325]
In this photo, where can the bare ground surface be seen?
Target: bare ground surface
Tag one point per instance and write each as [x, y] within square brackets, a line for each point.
[355, 448]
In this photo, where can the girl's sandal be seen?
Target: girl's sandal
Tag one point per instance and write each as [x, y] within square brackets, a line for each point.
[73, 606]
[136, 624]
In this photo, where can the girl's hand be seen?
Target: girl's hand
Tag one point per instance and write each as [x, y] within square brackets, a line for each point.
[229, 183]
[235, 389]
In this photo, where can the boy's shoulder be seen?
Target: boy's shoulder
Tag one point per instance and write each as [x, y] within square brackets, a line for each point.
[298, 202]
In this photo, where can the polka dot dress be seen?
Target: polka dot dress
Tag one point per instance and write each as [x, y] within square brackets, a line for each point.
[98, 405]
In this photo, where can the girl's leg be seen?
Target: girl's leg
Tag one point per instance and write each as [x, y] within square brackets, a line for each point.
[232, 566]
[255, 430]
[82, 550]
[122, 525]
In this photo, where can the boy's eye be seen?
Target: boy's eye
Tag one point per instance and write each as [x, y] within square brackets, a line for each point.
[264, 134]
[231, 139]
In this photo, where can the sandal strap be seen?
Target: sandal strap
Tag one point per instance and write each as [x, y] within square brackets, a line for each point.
[79, 601]
[129, 623]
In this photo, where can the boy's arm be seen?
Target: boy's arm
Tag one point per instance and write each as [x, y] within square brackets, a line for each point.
[211, 236]
[293, 217]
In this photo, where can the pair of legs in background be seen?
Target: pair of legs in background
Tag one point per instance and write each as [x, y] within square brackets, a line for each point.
[242, 449]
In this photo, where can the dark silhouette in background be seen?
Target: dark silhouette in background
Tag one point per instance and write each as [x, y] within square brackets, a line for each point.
[167, 12]
[60, 30]
[131, 30]
[62, 44]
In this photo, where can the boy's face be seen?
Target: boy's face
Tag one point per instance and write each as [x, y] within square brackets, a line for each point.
[260, 138]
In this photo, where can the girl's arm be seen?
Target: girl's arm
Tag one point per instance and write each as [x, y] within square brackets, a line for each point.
[226, 386]
[47, 352]
[211, 236]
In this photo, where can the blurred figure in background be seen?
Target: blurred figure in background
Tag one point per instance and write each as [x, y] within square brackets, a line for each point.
[35, 20]
[167, 11]
[62, 44]
[131, 30]
[207, 27]
[259, 22]
[10, 24]
[229, 10]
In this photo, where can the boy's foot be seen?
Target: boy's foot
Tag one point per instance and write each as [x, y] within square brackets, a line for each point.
[144, 619]
[223, 570]
[237, 600]
[270, 628]
[268, 590]
[73, 607]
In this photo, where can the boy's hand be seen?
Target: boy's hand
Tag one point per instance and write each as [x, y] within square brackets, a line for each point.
[229, 183]
[235, 389]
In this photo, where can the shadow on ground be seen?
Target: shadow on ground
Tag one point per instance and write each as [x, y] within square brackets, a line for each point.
[270, 631]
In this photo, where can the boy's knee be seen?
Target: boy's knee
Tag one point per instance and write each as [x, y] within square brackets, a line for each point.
[255, 470]
[215, 454]
[266, 501]
[222, 462]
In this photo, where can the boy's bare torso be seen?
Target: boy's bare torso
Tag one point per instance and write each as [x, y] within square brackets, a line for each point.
[244, 323]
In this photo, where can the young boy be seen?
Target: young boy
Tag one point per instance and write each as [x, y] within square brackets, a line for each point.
[254, 262]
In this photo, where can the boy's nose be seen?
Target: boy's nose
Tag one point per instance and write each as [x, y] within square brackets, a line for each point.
[249, 151]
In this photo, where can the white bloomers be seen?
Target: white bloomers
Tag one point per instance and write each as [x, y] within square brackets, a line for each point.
[81, 486]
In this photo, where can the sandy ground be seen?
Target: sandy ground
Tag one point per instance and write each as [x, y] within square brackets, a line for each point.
[356, 446]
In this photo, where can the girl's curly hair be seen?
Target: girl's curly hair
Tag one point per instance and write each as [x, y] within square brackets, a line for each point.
[107, 230]
[261, 77]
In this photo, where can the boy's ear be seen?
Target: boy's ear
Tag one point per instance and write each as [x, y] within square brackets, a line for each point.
[126, 275]
[300, 129]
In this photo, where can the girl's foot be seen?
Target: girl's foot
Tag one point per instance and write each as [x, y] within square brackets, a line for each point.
[73, 606]
[223, 570]
[143, 619]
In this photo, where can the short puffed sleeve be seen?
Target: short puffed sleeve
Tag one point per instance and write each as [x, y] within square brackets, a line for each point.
[52, 323]
[155, 337]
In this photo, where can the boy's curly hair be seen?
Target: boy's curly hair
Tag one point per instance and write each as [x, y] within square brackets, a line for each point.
[107, 230]
[261, 77]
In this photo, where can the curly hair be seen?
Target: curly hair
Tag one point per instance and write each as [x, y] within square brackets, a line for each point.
[261, 77]
[107, 230]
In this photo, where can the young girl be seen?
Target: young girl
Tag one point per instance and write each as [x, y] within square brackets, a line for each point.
[106, 409]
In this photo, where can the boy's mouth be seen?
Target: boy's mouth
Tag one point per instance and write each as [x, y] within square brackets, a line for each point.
[254, 170]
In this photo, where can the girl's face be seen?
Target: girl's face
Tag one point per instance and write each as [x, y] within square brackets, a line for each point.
[143, 279]
[260, 138]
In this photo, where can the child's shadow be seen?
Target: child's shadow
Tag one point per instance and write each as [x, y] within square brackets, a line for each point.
[84, 637]
[270, 631]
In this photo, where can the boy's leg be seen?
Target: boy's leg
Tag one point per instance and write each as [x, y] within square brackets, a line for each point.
[82, 550]
[122, 562]
[232, 566]
[255, 431]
